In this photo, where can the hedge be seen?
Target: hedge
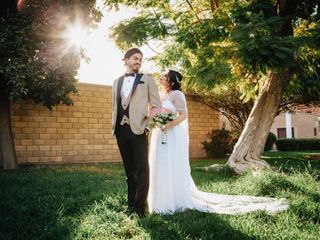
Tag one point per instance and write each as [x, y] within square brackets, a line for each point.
[294, 144]
[220, 143]
[271, 139]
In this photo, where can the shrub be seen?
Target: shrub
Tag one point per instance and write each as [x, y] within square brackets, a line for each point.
[271, 139]
[293, 144]
[220, 143]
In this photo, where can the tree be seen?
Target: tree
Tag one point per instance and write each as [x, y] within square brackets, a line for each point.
[35, 62]
[272, 45]
[272, 26]
[227, 100]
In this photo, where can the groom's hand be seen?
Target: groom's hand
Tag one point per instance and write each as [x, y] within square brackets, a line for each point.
[154, 112]
[147, 130]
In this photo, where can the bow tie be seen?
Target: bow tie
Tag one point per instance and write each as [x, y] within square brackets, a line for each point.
[129, 74]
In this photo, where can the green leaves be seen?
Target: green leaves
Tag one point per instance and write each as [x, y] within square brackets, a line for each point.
[35, 62]
[259, 45]
[236, 44]
[305, 86]
[140, 30]
[211, 66]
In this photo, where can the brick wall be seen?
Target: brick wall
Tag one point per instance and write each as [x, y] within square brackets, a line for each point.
[309, 109]
[202, 120]
[82, 132]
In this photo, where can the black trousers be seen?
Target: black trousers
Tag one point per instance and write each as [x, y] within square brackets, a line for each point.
[134, 152]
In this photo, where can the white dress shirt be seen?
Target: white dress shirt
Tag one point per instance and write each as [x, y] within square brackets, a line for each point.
[127, 85]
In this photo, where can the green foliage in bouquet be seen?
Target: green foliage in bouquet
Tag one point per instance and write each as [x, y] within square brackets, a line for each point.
[162, 119]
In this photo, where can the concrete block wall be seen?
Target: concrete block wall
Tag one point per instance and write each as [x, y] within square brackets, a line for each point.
[82, 133]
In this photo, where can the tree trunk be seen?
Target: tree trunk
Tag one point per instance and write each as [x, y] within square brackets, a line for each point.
[7, 151]
[247, 151]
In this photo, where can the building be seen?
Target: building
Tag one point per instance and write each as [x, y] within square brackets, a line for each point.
[298, 124]
[304, 122]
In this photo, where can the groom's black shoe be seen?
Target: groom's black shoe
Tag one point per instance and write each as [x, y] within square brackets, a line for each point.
[141, 212]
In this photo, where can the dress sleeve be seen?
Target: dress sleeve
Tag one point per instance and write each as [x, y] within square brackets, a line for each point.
[154, 98]
[179, 101]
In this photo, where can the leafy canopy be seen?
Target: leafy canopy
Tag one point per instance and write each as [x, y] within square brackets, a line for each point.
[218, 43]
[36, 61]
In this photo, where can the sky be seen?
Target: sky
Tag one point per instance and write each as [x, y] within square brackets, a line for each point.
[106, 59]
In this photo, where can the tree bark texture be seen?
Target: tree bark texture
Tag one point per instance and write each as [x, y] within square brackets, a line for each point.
[7, 149]
[247, 151]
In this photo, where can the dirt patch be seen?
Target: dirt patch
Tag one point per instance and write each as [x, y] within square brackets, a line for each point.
[312, 157]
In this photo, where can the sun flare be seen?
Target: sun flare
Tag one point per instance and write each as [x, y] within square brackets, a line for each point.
[77, 35]
[105, 59]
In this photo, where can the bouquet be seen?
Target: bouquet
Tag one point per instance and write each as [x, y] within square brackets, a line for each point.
[161, 119]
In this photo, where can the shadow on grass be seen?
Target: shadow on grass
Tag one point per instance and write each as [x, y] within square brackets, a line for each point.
[203, 177]
[86, 203]
[190, 225]
[291, 162]
[274, 184]
[43, 203]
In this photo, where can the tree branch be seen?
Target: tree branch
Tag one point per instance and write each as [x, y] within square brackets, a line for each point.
[214, 4]
[162, 26]
[152, 49]
[192, 8]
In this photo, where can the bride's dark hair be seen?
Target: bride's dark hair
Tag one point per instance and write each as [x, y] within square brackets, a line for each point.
[175, 79]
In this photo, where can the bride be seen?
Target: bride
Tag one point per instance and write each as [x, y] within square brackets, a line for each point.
[171, 186]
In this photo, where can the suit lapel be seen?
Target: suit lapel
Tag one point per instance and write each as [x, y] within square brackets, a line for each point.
[120, 83]
[136, 81]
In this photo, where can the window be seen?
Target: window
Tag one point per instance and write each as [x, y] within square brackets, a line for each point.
[315, 132]
[281, 132]
[292, 132]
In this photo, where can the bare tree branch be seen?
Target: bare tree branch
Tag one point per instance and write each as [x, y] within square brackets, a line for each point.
[214, 4]
[192, 8]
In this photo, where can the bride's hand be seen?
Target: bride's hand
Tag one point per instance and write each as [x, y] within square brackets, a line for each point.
[167, 126]
[166, 110]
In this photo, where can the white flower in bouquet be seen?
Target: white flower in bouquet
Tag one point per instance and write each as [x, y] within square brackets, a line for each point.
[161, 119]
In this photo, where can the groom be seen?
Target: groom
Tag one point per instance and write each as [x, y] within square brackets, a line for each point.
[132, 96]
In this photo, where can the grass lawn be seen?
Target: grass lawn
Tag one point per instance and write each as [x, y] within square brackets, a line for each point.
[86, 202]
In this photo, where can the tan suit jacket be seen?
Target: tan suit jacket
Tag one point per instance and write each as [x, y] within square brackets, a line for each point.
[145, 96]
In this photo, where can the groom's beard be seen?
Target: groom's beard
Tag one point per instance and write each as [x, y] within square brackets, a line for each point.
[136, 68]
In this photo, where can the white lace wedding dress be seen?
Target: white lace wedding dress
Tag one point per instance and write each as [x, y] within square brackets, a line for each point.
[171, 186]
